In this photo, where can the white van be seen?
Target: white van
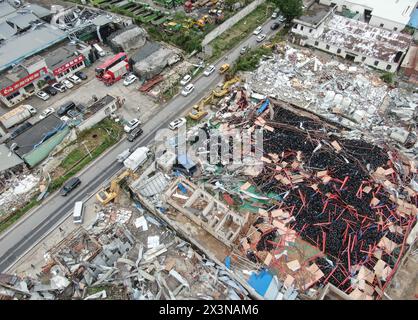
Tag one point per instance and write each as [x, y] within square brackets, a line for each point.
[100, 51]
[78, 212]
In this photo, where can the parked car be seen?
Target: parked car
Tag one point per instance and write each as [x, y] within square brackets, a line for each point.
[258, 30]
[65, 108]
[131, 125]
[46, 113]
[261, 37]
[81, 108]
[209, 70]
[70, 185]
[186, 79]
[177, 123]
[275, 14]
[67, 84]
[74, 79]
[187, 90]
[224, 68]
[275, 26]
[129, 79]
[244, 49]
[51, 90]
[81, 75]
[123, 155]
[281, 19]
[59, 86]
[43, 95]
[135, 133]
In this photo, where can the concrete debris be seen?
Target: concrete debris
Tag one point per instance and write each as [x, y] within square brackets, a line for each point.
[130, 38]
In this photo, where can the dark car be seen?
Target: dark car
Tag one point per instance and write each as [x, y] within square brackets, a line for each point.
[65, 108]
[69, 186]
[135, 134]
[81, 75]
[275, 26]
[73, 113]
[51, 91]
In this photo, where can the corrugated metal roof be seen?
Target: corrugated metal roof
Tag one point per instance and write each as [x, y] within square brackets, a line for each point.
[20, 47]
[6, 31]
[38, 10]
[8, 159]
[6, 9]
[23, 21]
[101, 20]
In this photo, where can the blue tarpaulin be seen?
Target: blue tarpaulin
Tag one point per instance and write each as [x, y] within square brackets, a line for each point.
[260, 282]
[263, 107]
[413, 22]
[228, 262]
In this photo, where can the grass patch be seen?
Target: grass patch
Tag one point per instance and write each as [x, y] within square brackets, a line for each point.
[240, 30]
[250, 60]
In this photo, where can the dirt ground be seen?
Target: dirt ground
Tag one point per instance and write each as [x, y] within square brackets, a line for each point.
[404, 285]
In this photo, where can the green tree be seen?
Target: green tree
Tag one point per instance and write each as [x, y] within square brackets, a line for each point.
[290, 9]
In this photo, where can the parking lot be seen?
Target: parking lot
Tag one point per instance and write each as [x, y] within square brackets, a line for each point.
[137, 105]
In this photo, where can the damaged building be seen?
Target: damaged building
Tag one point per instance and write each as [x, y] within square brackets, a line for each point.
[351, 39]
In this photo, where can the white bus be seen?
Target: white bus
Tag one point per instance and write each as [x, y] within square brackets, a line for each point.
[78, 212]
[100, 51]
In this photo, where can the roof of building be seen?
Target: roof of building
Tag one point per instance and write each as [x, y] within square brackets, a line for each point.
[38, 133]
[60, 55]
[185, 161]
[16, 49]
[392, 10]
[101, 103]
[101, 20]
[6, 9]
[6, 31]
[23, 21]
[38, 10]
[145, 51]
[8, 159]
[314, 15]
[413, 21]
[364, 39]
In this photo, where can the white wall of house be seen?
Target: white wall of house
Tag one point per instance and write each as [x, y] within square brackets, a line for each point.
[386, 24]
[98, 116]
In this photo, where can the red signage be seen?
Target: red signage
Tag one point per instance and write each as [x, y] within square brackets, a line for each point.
[68, 65]
[23, 82]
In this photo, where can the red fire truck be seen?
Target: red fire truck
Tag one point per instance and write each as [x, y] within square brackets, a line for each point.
[101, 70]
[115, 73]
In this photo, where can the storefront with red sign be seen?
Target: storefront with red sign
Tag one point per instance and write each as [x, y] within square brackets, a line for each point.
[19, 90]
[68, 68]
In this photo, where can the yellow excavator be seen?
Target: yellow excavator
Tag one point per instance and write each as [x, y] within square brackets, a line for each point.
[225, 87]
[106, 195]
[198, 111]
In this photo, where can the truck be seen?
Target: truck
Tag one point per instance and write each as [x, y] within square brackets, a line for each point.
[116, 73]
[17, 116]
[110, 63]
[137, 158]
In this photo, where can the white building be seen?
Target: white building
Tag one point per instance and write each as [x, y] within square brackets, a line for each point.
[388, 14]
[354, 40]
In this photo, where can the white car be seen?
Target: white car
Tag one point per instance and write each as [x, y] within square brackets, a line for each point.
[74, 79]
[261, 37]
[43, 95]
[209, 70]
[67, 84]
[258, 30]
[186, 79]
[131, 125]
[187, 90]
[177, 123]
[59, 86]
[129, 79]
[46, 113]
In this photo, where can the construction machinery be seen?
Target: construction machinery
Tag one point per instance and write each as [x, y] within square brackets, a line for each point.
[106, 195]
[224, 68]
[225, 87]
[203, 21]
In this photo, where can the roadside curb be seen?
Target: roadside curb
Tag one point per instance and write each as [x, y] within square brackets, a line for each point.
[51, 196]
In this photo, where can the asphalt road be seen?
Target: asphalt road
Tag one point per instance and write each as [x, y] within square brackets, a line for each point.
[18, 240]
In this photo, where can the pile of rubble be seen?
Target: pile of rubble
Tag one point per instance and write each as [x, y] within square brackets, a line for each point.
[126, 254]
[130, 38]
[351, 95]
[17, 190]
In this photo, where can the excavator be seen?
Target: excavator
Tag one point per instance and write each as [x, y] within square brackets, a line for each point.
[225, 87]
[198, 111]
[106, 195]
